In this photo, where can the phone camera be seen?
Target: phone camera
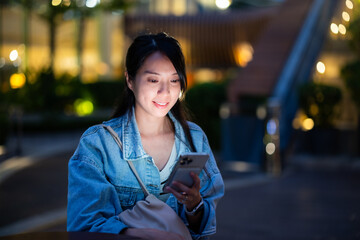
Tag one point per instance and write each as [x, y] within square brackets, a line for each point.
[186, 160]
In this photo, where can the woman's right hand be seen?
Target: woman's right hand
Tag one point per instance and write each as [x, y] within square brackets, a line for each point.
[151, 233]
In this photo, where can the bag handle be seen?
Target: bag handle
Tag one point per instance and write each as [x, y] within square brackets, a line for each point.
[119, 143]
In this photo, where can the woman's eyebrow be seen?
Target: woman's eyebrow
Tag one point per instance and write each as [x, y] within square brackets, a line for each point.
[150, 72]
[155, 73]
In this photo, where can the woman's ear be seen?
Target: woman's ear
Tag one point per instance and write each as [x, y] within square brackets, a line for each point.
[128, 81]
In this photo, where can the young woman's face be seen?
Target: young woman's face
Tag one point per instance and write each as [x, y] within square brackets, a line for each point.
[156, 86]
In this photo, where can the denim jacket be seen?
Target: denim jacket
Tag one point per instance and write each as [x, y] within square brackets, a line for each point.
[102, 185]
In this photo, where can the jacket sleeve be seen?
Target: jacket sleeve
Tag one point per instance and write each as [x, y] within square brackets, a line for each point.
[212, 190]
[93, 204]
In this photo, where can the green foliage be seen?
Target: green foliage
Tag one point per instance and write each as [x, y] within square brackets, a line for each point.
[204, 101]
[350, 74]
[318, 101]
[354, 33]
[106, 93]
[51, 94]
[46, 93]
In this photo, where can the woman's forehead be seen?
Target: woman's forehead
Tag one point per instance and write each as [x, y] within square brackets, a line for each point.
[158, 64]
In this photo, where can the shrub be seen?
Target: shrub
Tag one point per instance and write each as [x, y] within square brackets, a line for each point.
[204, 101]
[350, 74]
[318, 101]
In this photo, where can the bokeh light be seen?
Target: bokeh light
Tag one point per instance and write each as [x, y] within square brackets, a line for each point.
[308, 124]
[17, 80]
[83, 107]
[223, 4]
[55, 2]
[346, 16]
[243, 53]
[92, 3]
[271, 127]
[334, 28]
[320, 67]
[224, 111]
[270, 148]
[66, 3]
[261, 112]
[349, 4]
[13, 55]
[342, 29]
[314, 109]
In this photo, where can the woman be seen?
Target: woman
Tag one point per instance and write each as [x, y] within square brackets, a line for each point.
[151, 125]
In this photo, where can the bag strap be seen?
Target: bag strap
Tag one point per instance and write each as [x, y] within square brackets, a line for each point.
[133, 169]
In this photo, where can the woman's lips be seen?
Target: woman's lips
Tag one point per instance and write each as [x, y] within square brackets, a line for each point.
[160, 104]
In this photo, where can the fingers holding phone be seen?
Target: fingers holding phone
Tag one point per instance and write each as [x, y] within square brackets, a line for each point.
[189, 196]
[184, 182]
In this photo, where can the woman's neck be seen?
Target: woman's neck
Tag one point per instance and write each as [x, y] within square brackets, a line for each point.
[153, 126]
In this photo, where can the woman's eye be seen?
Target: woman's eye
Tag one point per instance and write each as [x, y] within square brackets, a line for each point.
[152, 80]
[175, 80]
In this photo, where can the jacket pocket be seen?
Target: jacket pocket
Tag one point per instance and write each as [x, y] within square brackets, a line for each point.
[128, 196]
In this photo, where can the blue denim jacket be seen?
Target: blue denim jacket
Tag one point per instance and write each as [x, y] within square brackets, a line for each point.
[102, 185]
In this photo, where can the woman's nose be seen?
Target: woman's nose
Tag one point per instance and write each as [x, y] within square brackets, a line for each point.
[164, 88]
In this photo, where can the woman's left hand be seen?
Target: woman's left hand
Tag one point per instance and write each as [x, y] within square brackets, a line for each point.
[189, 196]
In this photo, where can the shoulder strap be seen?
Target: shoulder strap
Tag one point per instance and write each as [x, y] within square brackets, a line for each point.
[133, 169]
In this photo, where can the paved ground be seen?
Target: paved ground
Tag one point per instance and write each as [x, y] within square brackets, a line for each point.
[316, 198]
[304, 204]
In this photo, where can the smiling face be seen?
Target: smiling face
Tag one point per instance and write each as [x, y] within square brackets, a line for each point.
[156, 86]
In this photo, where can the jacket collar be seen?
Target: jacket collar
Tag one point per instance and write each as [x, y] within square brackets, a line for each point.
[132, 146]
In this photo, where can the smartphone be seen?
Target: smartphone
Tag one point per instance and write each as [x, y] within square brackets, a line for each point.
[190, 162]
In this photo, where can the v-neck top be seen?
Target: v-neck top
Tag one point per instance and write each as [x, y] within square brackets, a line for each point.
[165, 172]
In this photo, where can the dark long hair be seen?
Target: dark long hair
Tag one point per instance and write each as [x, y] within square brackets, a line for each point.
[141, 48]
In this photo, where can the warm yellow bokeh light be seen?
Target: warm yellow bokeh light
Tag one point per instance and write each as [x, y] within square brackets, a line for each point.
[349, 4]
[346, 16]
[320, 67]
[308, 124]
[296, 124]
[334, 28]
[55, 2]
[102, 68]
[342, 29]
[223, 4]
[314, 109]
[17, 80]
[243, 53]
[13, 55]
